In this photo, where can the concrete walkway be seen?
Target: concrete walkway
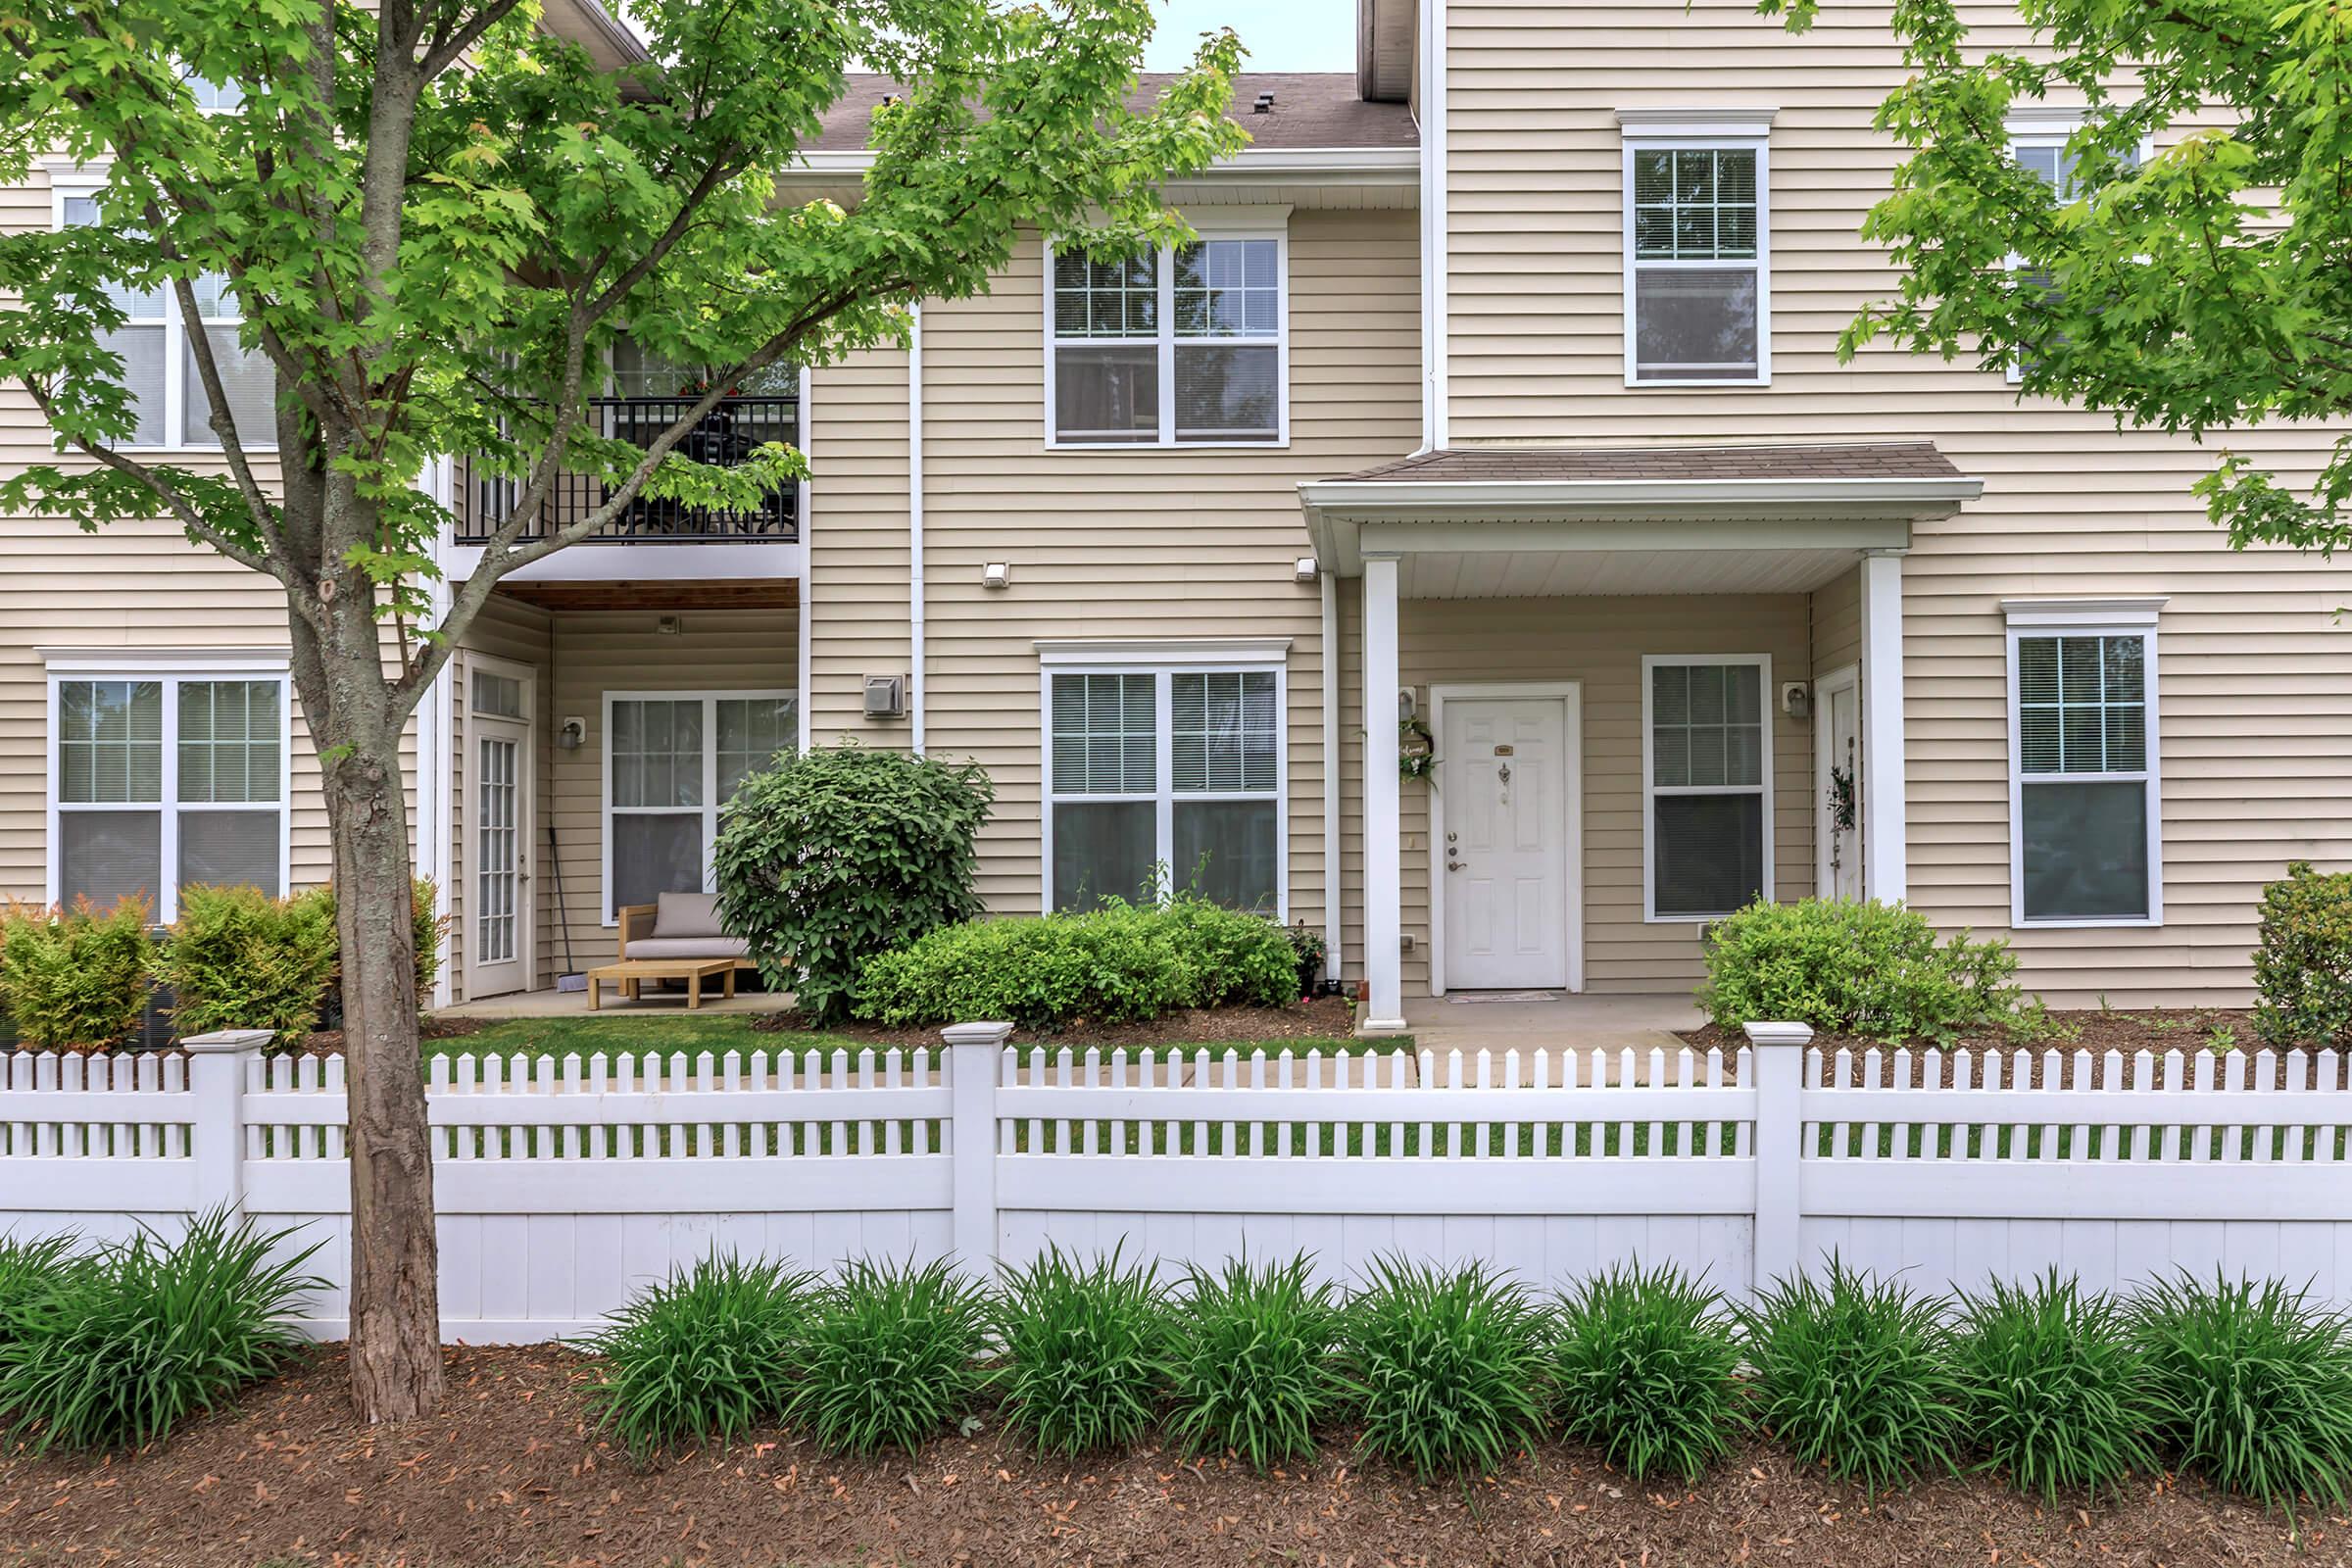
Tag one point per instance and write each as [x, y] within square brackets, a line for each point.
[1549, 1024]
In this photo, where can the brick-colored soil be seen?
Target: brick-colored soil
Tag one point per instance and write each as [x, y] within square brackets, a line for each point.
[509, 1474]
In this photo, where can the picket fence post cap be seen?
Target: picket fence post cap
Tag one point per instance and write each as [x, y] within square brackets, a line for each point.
[228, 1040]
[1779, 1034]
[977, 1033]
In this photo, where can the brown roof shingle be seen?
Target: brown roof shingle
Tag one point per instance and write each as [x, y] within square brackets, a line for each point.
[1312, 109]
[1879, 460]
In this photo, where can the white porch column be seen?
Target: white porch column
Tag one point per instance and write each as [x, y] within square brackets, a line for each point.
[1383, 858]
[1885, 865]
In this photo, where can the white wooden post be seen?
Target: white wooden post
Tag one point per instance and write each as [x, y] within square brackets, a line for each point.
[1886, 854]
[974, 1051]
[1777, 1052]
[1384, 851]
[217, 1081]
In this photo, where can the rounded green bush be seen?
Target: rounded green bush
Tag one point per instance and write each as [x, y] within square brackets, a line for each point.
[2255, 1384]
[74, 979]
[1085, 1353]
[1855, 1374]
[2056, 1395]
[2303, 960]
[115, 1349]
[705, 1354]
[889, 1357]
[1252, 1370]
[1448, 1368]
[1646, 1368]
[238, 959]
[1859, 968]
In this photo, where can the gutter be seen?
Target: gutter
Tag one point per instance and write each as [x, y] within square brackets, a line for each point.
[1356, 496]
[1385, 165]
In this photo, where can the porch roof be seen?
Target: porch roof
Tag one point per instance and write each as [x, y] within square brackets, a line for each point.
[1629, 520]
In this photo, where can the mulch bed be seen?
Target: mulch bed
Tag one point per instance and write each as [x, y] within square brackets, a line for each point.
[2092, 1029]
[509, 1474]
[1315, 1018]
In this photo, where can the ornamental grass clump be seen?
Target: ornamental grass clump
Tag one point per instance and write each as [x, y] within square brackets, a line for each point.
[2256, 1385]
[1855, 1374]
[1449, 1367]
[114, 1352]
[1644, 1367]
[1252, 1371]
[1085, 1351]
[889, 1357]
[705, 1355]
[2054, 1389]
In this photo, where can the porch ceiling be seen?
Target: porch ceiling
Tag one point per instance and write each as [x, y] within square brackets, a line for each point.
[1546, 573]
[746, 593]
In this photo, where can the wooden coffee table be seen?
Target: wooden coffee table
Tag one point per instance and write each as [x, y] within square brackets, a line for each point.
[627, 973]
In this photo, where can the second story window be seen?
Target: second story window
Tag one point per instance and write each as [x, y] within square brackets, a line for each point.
[2044, 152]
[1697, 281]
[1182, 347]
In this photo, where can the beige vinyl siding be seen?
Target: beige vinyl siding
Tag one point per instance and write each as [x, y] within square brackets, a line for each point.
[2255, 669]
[855, 535]
[1103, 544]
[1837, 623]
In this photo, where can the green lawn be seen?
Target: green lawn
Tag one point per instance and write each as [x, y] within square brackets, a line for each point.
[719, 1033]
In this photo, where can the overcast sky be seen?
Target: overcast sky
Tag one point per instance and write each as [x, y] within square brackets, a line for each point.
[1280, 34]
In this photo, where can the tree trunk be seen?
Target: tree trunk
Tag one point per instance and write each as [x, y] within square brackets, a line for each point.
[396, 1371]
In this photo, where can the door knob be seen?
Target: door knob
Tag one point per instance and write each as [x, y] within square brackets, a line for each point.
[1454, 865]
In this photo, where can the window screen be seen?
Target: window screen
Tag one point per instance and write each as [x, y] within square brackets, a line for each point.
[2083, 765]
[1695, 216]
[1707, 785]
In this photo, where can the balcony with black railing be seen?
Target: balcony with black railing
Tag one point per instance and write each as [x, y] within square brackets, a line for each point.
[725, 437]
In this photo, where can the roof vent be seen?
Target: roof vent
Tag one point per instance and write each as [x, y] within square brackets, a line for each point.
[1264, 104]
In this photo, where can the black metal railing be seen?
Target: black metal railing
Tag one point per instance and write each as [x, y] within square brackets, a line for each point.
[724, 437]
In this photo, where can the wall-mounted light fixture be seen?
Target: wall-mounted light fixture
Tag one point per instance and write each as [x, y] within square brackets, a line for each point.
[1408, 705]
[669, 625]
[995, 574]
[574, 734]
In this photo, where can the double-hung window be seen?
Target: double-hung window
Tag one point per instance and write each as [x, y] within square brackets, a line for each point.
[1706, 784]
[159, 356]
[2044, 151]
[2085, 829]
[1165, 778]
[1183, 346]
[672, 760]
[1698, 256]
[162, 780]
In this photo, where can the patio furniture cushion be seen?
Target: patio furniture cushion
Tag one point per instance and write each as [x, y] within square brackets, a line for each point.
[710, 946]
[686, 915]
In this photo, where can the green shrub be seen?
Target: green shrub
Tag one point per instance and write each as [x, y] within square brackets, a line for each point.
[889, 1357]
[2303, 960]
[705, 1354]
[74, 979]
[238, 959]
[2255, 1383]
[827, 857]
[1855, 1374]
[1119, 963]
[1307, 947]
[1085, 1353]
[1448, 1368]
[2055, 1394]
[1645, 1368]
[29, 1269]
[1252, 1367]
[117, 1351]
[1845, 967]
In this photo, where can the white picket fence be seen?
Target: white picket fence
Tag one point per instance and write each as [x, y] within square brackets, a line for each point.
[565, 1187]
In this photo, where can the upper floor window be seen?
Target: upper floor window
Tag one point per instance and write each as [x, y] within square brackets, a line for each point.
[1185, 345]
[159, 356]
[1697, 260]
[2044, 153]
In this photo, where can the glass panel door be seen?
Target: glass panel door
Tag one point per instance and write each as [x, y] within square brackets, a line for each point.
[496, 851]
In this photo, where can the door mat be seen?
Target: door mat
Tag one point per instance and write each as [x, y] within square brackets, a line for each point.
[1472, 997]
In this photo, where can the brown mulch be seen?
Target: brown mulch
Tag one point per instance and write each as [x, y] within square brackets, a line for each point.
[2092, 1029]
[1315, 1018]
[509, 1474]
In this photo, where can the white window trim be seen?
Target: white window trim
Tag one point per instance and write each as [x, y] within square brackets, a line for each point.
[171, 668]
[710, 808]
[1699, 131]
[1272, 226]
[1651, 788]
[2087, 617]
[2052, 129]
[1163, 660]
[87, 180]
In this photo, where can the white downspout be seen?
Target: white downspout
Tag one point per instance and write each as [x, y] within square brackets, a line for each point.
[1331, 773]
[914, 527]
[1436, 413]
[807, 641]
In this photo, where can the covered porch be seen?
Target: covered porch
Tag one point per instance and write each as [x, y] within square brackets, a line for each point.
[1651, 684]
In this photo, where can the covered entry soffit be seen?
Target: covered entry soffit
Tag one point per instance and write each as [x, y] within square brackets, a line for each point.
[1481, 522]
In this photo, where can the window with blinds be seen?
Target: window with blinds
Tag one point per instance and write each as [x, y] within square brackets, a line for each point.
[671, 766]
[1181, 346]
[2082, 775]
[1165, 780]
[1709, 784]
[1695, 221]
[167, 783]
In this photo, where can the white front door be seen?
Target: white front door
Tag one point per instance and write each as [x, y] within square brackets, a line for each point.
[498, 838]
[1506, 766]
[1838, 778]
